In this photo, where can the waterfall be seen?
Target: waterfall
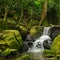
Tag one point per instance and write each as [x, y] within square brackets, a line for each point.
[38, 44]
[46, 30]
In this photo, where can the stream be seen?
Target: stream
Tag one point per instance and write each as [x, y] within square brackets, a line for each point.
[37, 49]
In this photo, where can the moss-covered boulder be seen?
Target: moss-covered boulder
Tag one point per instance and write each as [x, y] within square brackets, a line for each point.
[24, 57]
[49, 53]
[56, 44]
[33, 30]
[10, 39]
[13, 39]
[23, 32]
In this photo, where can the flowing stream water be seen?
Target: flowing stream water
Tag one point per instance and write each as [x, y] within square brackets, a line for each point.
[37, 48]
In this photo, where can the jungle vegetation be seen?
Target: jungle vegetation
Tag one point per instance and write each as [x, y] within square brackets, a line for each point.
[26, 16]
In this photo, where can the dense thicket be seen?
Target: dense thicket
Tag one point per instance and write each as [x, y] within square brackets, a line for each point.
[26, 16]
[25, 12]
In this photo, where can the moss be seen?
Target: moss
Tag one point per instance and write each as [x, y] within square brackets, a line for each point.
[45, 23]
[49, 53]
[24, 57]
[23, 32]
[33, 30]
[6, 52]
[11, 39]
[11, 21]
[56, 44]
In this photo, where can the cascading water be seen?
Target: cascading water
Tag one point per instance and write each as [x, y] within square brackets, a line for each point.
[46, 30]
[38, 44]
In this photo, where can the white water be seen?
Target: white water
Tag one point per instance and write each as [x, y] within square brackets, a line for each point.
[38, 44]
[37, 48]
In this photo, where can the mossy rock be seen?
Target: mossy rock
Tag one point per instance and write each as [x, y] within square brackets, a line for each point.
[33, 30]
[56, 44]
[45, 23]
[8, 52]
[5, 52]
[49, 53]
[12, 40]
[23, 32]
[24, 57]
[10, 21]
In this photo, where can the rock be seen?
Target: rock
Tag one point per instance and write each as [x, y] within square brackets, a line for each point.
[10, 39]
[33, 31]
[53, 32]
[24, 57]
[6, 52]
[29, 38]
[13, 38]
[46, 45]
[25, 47]
[56, 44]
[23, 32]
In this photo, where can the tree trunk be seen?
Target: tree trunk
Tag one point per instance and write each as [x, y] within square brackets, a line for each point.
[6, 12]
[43, 15]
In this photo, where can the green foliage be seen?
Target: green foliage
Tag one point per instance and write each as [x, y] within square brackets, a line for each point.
[45, 23]
[38, 3]
[15, 12]
[8, 51]
[53, 12]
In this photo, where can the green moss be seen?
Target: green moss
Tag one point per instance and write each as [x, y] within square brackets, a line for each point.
[49, 53]
[33, 30]
[24, 57]
[45, 23]
[11, 39]
[56, 44]
[6, 52]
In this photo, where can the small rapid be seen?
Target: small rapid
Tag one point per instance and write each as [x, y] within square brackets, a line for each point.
[38, 44]
[38, 48]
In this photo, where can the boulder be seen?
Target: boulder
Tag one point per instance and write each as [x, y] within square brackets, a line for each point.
[46, 44]
[10, 39]
[56, 44]
[53, 32]
[25, 47]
